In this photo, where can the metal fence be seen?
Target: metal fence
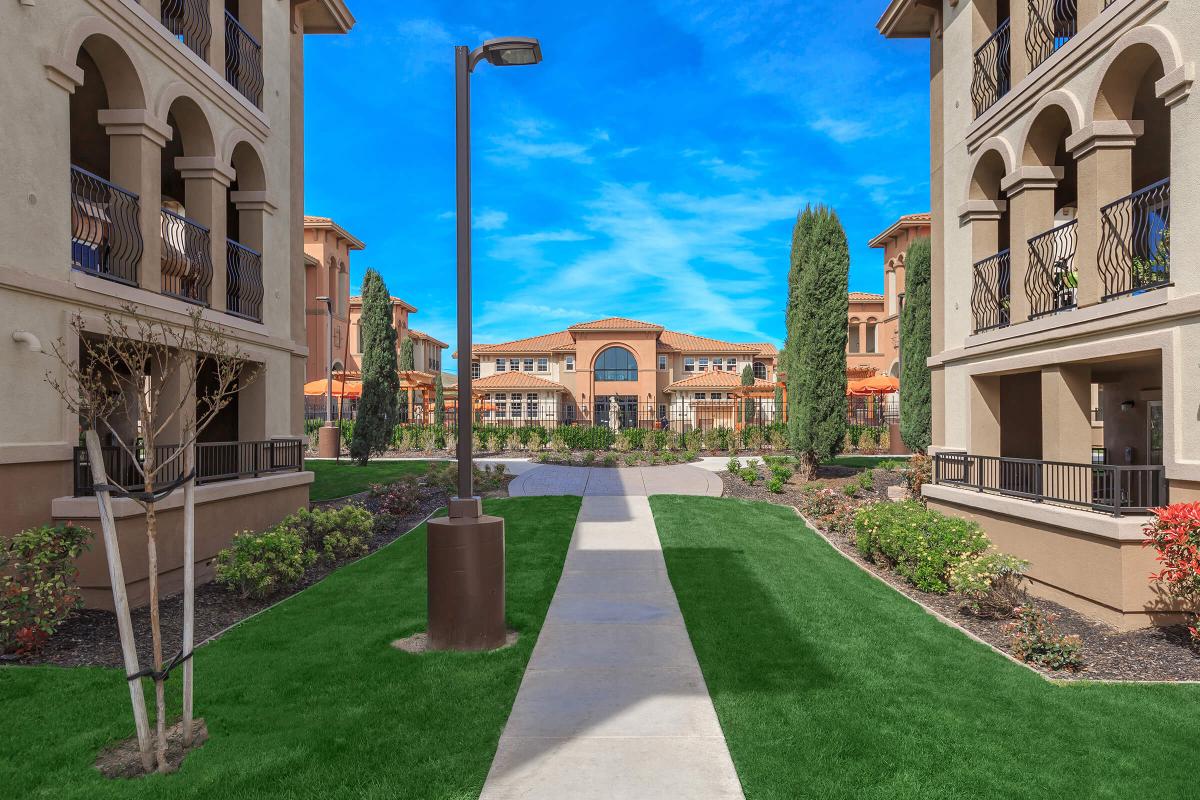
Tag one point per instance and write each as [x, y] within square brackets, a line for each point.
[215, 461]
[991, 296]
[1052, 23]
[243, 281]
[992, 75]
[186, 258]
[1052, 280]
[188, 21]
[106, 236]
[1135, 241]
[243, 60]
[1105, 488]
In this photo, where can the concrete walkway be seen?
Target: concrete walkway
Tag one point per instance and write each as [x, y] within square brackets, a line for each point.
[613, 705]
[551, 479]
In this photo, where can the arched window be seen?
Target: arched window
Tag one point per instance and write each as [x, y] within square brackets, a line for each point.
[760, 370]
[616, 364]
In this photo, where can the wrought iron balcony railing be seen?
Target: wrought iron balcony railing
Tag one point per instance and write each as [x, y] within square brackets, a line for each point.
[243, 61]
[1135, 241]
[1051, 25]
[106, 237]
[215, 461]
[990, 292]
[1104, 488]
[186, 258]
[243, 281]
[992, 76]
[1052, 282]
[188, 21]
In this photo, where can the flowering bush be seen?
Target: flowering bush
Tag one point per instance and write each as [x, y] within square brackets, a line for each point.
[401, 498]
[920, 544]
[1036, 640]
[920, 472]
[830, 510]
[1174, 533]
[990, 583]
[260, 564]
[37, 587]
[333, 534]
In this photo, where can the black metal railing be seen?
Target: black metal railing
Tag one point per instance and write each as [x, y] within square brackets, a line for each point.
[243, 60]
[1135, 241]
[106, 235]
[873, 411]
[188, 21]
[991, 298]
[992, 75]
[186, 258]
[243, 281]
[1052, 282]
[215, 461]
[1052, 23]
[1105, 488]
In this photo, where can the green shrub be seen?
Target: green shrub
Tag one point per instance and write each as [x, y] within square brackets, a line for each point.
[781, 471]
[866, 480]
[1036, 640]
[850, 490]
[589, 457]
[501, 436]
[261, 564]
[539, 437]
[586, 437]
[332, 533]
[750, 475]
[669, 457]
[483, 437]
[890, 465]
[401, 497]
[524, 436]
[689, 455]
[854, 435]
[610, 459]
[990, 583]
[631, 460]
[920, 544]
[920, 472]
[775, 484]
[733, 466]
[722, 438]
[37, 584]
[658, 440]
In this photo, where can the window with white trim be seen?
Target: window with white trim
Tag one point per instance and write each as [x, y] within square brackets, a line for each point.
[700, 396]
[529, 365]
[501, 405]
[487, 411]
[689, 364]
[543, 364]
[531, 405]
[662, 363]
[475, 370]
[501, 365]
[570, 365]
[731, 364]
[704, 363]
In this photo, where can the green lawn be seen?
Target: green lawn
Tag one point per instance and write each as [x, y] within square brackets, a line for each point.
[309, 699]
[337, 479]
[864, 461]
[830, 684]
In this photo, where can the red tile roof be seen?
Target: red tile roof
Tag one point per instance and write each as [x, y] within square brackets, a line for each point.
[616, 324]
[715, 379]
[515, 380]
[687, 343]
[416, 334]
[865, 297]
[763, 348]
[559, 340]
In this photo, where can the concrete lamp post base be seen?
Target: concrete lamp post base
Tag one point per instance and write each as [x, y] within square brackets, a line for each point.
[466, 579]
[327, 441]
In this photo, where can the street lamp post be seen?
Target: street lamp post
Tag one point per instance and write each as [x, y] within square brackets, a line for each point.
[466, 548]
[327, 436]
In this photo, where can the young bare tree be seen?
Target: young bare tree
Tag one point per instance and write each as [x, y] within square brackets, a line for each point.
[155, 366]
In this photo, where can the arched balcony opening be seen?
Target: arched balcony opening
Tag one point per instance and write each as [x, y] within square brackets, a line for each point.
[244, 225]
[189, 201]
[106, 237]
[988, 216]
[1050, 194]
[1135, 235]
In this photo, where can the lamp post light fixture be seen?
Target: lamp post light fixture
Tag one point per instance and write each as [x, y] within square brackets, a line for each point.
[466, 548]
[328, 445]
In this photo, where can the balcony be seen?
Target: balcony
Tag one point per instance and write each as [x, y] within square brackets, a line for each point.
[1103, 488]
[1052, 23]
[1135, 242]
[186, 258]
[243, 61]
[990, 292]
[992, 75]
[188, 21]
[1052, 283]
[106, 238]
[243, 281]
[215, 461]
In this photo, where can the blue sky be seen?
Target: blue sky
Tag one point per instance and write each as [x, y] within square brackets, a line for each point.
[651, 166]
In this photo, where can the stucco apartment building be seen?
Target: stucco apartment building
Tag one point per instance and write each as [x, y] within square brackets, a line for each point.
[873, 340]
[652, 373]
[417, 383]
[327, 249]
[1062, 145]
[153, 156]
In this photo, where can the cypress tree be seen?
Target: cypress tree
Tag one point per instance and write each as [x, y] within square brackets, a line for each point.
[916, 396]
[380, 383]
[747, 404]
[801, 233]
[439, 400]
[407, 364]
[818, 305]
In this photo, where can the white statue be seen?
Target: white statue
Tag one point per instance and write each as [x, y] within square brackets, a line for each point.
[614, 414]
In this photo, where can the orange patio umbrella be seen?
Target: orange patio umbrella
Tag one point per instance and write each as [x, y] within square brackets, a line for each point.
[879, 384]
[342, 388]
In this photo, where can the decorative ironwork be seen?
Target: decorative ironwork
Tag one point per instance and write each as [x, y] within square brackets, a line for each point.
[188, 21]
[243, 60]
[1135, 241]
[1052, 23]
[1052, 282]
[1106, 488]
[992, 76]
[106, 239]
[991, 298]
[186, 258]
[243, 281]
[215, 461]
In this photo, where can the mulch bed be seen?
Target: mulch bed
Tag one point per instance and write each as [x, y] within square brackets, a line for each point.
[1148, 654]
[90, 637]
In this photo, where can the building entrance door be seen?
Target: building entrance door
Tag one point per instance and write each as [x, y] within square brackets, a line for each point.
[625, 411]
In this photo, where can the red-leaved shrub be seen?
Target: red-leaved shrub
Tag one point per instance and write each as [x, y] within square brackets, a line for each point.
[1174, 533]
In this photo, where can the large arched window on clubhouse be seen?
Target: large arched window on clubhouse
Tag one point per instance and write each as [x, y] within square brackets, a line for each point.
[616, 364]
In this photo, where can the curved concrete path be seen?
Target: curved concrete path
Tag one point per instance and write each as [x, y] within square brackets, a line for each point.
[613, 705]
[553, 479]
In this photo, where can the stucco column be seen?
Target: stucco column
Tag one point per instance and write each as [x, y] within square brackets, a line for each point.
[216, 45]
[172, 397]
[1066, 413]
[253, 211]
[252, 406]
[136, 139]
[1086, 11]
[985, 416]
[1030, 193]
[1173, 89]
[205, 181]
[1103, 152]
[1019, 23]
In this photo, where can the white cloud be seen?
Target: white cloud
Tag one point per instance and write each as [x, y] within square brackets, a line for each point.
[842, 131]
[490, 220]
[871, 181]
[733, 172]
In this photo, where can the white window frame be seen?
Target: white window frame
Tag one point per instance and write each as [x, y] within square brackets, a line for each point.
[570, 364]
[543, 364]
[689, 364]
[662, 363]
[501, 403]
[501, 364]
[531, 405]
[731, 365]
[527, 365]
[700, 396]
[474, 370]
[703, 363]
